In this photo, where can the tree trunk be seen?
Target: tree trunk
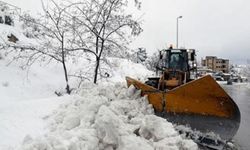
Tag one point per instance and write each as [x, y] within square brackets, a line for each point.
[98, 58]
[96, 69]
[65, 68]
[66, 78]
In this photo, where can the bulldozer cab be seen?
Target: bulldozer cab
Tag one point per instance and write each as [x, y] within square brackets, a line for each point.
[177, 67]
[177, 59]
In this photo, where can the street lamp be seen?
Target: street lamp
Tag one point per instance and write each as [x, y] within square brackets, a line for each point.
[177, 30]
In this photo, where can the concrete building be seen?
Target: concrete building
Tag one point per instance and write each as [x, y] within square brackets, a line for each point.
[216, 64]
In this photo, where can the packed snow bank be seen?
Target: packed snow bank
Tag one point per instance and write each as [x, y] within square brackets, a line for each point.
[111, 70]
[120, 68]
[107, 117]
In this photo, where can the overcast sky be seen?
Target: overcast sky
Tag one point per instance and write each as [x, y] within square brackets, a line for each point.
[212, 27]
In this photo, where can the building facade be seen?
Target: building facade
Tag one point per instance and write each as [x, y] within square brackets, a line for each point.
[216, 64]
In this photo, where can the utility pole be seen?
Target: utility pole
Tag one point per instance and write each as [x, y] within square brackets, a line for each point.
[177, 32]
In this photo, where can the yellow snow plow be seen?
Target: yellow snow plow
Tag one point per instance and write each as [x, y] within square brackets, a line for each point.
[199, 103]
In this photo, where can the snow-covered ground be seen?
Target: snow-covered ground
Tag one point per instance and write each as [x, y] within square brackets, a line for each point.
[19, 118]
[103, 116]
[25, 98]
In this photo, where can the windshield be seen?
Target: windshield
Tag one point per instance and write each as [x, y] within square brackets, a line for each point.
[175, 60]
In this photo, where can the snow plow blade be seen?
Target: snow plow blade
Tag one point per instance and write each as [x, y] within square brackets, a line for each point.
[202, 104]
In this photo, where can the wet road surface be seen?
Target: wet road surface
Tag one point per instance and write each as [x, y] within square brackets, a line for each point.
[241, 95]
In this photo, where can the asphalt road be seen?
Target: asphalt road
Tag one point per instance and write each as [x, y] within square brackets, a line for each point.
[241, 95]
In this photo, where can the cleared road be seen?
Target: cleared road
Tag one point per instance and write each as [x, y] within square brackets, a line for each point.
[241, 95]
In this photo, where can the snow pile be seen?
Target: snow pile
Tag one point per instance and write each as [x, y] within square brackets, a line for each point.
[107, 117]
[120, 68]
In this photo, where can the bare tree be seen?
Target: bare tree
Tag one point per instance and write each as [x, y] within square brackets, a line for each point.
[96, 27]
[152, 61]
[103, 28]
[139, 55]
[52, 40]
